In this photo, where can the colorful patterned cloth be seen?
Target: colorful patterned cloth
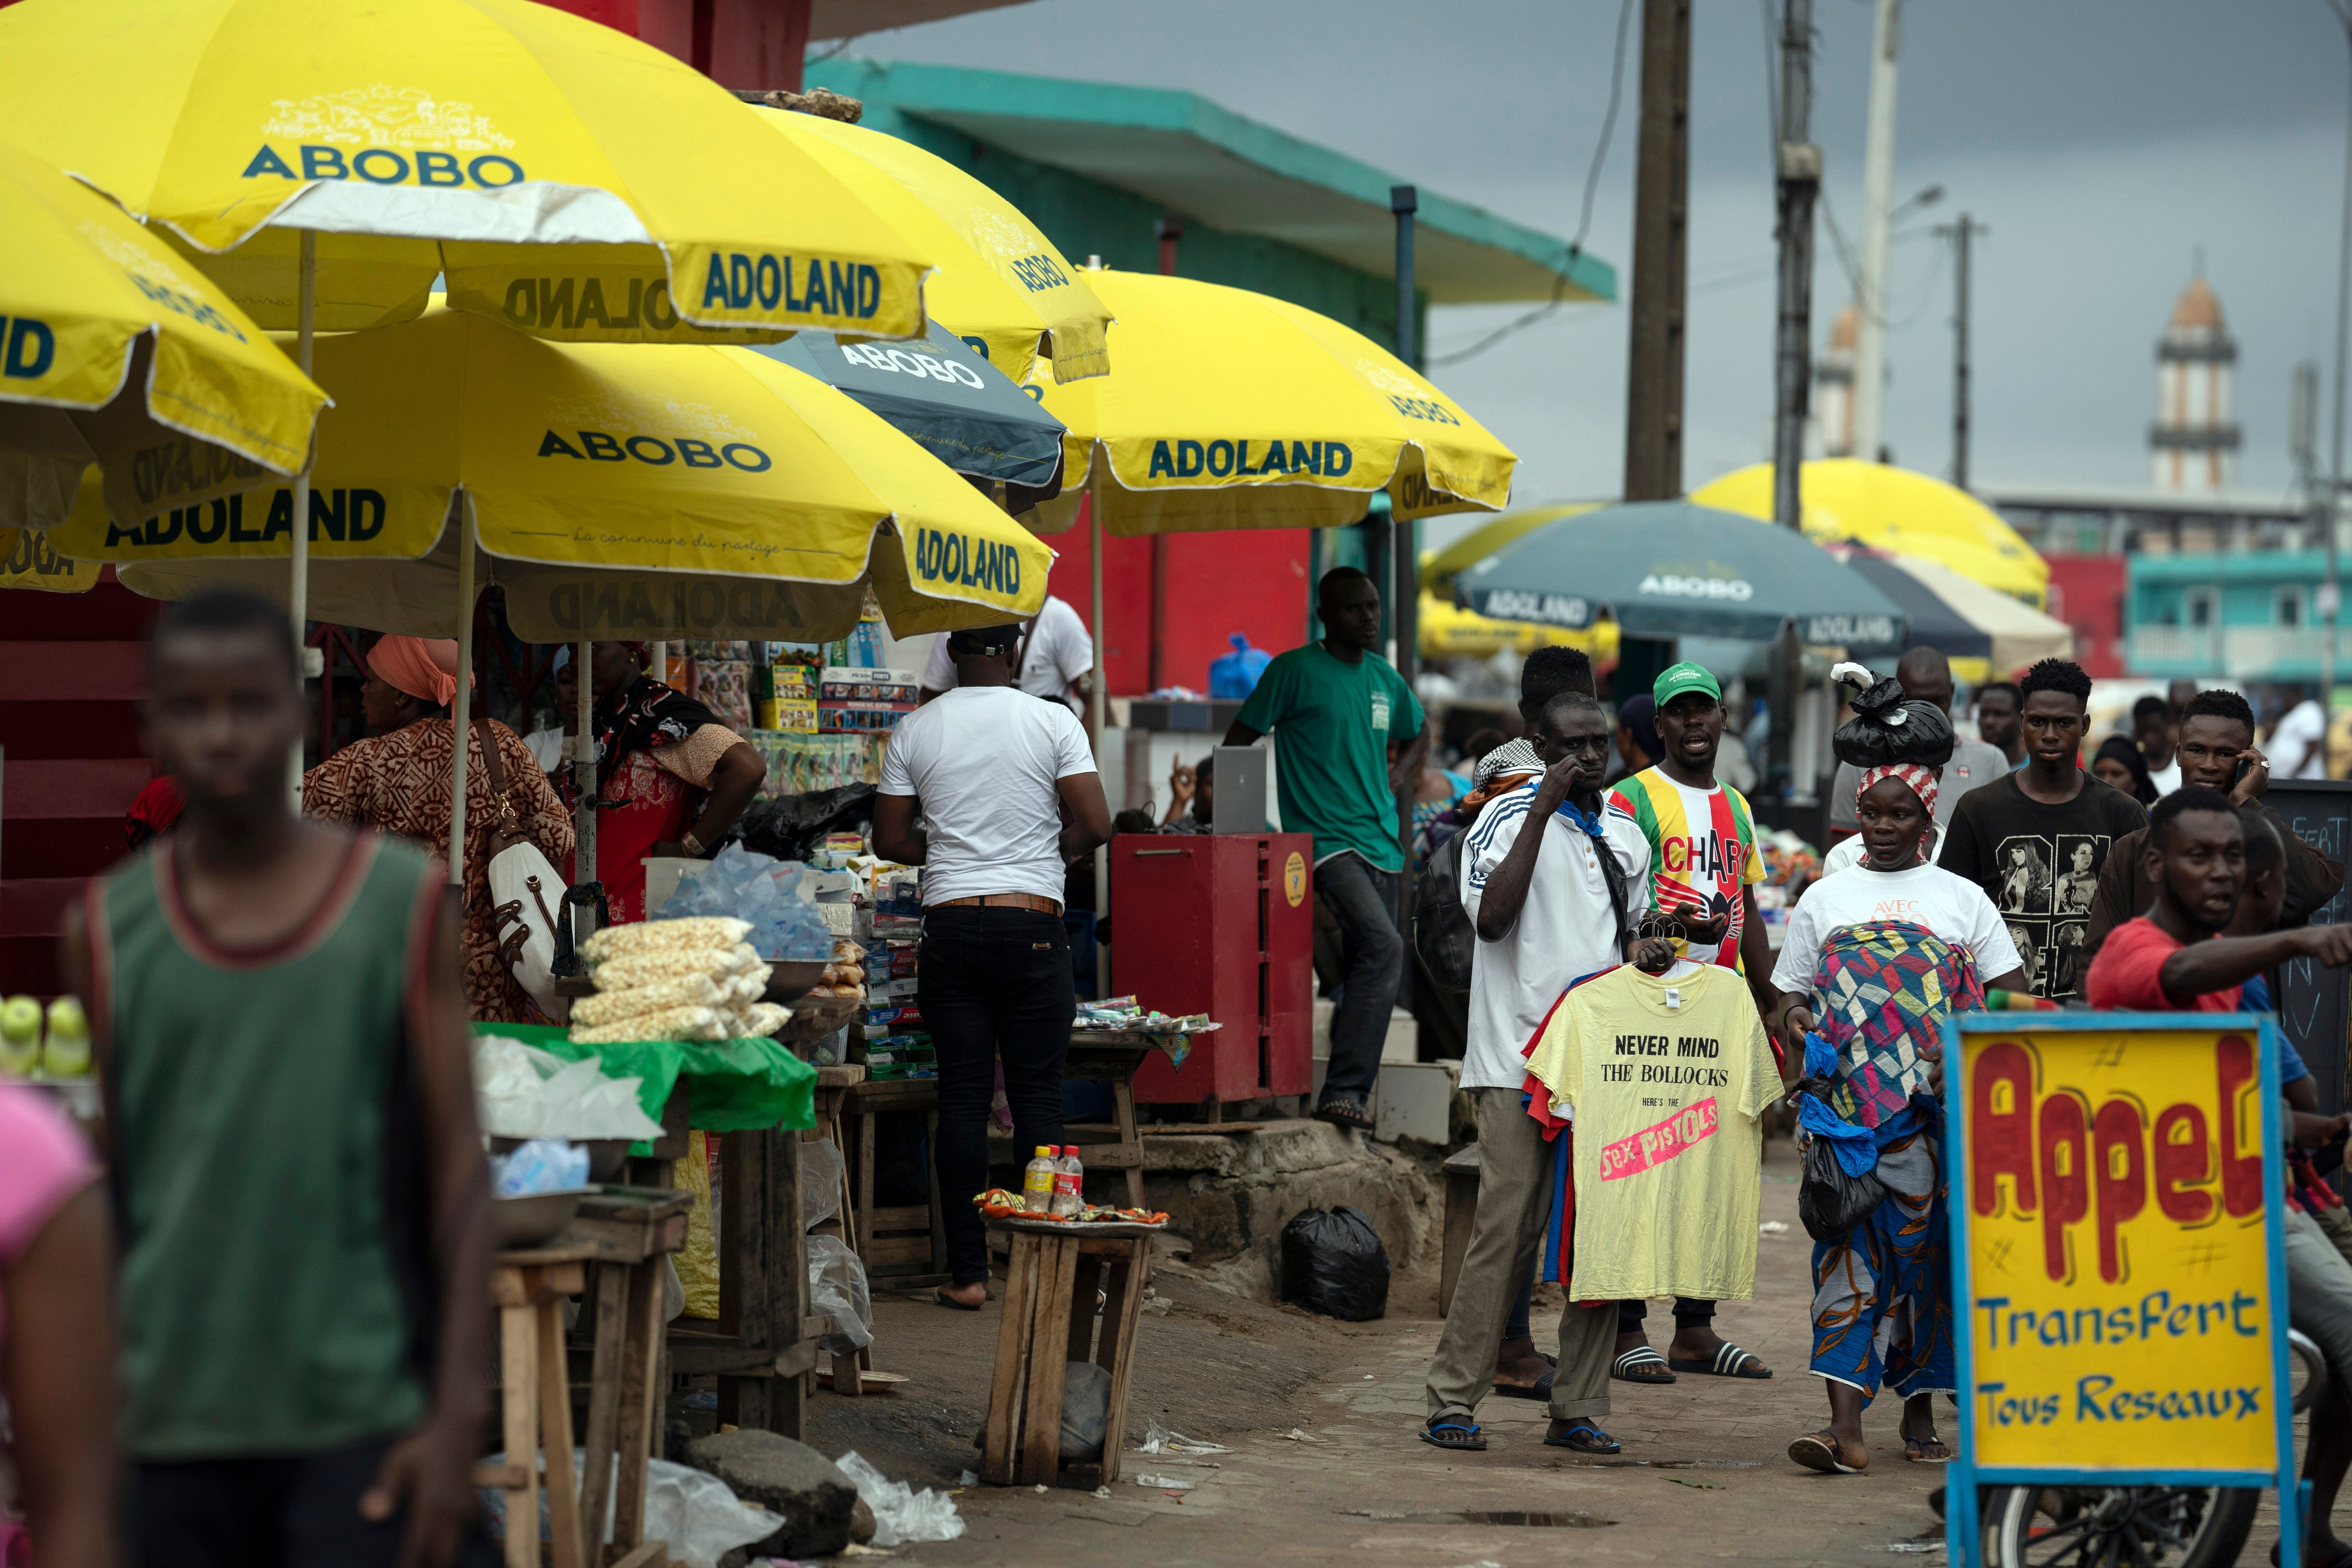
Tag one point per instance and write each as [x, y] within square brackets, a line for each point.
[1880, 998]
[1881, 1293]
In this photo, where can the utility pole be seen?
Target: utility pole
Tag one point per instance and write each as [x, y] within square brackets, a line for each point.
[1877, 201]
[1654, 393]
[1799, 184]
[2331, 598]
[1403, 557]
[1170, 231]
[1959, 232]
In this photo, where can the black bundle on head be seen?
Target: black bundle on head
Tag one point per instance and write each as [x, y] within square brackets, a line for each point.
[1888, 728]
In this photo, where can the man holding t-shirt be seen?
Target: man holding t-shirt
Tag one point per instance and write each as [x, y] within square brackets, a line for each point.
[2034, 841]
[1336, 706]
[1704, 868]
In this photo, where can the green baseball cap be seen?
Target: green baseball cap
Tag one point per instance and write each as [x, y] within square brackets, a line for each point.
[1684, 677]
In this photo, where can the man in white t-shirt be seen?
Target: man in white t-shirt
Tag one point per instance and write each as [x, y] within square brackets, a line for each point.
[2298, 744]
[1010, 795]
[1056, 658]
[1549, 911]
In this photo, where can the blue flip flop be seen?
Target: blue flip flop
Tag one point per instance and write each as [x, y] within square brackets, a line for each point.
[1469, 1441]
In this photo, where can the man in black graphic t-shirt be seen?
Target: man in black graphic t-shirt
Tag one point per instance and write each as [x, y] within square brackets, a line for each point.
[2034, 839]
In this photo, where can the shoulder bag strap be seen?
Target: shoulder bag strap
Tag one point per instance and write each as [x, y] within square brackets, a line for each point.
[510, 831]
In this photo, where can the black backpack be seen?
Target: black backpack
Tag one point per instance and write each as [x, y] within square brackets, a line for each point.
[1446, 936]
[1442, 933]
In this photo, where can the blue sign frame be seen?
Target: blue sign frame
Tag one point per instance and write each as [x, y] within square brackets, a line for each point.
[1962, 1533]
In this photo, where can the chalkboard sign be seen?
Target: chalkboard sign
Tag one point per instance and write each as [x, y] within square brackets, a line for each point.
[2315, 1004]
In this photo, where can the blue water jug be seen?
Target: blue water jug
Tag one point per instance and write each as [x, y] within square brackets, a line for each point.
[1234, 676]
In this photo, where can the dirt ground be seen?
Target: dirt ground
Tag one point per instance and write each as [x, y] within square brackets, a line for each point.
[1325, 1468]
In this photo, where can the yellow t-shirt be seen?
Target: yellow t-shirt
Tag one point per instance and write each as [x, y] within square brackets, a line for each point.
[1666, 1077]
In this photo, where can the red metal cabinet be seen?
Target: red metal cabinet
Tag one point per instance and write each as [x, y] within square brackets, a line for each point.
[1222, 924]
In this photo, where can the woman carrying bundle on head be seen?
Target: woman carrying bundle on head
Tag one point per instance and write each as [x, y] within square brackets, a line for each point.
[1874, 961]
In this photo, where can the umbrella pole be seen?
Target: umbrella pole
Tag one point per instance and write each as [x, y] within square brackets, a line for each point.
[583, 775]
[1096, 698]
[297, 599]
[461, 715]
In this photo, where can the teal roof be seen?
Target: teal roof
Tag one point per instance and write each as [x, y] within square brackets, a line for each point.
[1209, 164]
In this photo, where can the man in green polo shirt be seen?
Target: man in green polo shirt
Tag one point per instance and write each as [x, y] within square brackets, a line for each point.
[1337, 708]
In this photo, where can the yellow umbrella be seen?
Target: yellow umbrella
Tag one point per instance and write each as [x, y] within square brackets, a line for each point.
[1447, 631]
[616, 494]
[1001, 284]
[446, 136]
[115, 351]
[1237, 410]
[31, 561]
[1895, 509]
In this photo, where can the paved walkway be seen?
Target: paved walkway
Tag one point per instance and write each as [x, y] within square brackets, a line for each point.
[1705, 1474]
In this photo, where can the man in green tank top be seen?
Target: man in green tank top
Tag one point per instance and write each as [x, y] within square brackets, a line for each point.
[299, 1184]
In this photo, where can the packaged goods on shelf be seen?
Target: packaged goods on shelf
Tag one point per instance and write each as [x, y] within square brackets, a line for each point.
[869, 687]
[724, 685]
[803, 763]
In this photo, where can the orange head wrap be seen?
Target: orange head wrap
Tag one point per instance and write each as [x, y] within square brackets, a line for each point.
[425, 668]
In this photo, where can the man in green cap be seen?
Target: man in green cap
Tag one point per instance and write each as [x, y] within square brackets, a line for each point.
[1703, 870]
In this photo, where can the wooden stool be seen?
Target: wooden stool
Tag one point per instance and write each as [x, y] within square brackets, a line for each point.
[1049, 1321]
[535, 1391]
[903, 1247]
[529, 1287]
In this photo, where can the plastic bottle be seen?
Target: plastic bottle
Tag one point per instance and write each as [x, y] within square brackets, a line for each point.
[1037, 1182]
[1069, 1181]
[20, 1037]
[67, 1054]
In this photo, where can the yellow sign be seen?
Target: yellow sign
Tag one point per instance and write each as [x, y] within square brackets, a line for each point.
[2115, 1193]
[1294, 878]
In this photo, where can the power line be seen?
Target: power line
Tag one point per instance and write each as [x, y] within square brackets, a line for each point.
[1584, 218]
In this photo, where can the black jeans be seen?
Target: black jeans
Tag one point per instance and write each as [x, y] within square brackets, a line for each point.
[1363, 901]
[297, 1512]
[993, 981]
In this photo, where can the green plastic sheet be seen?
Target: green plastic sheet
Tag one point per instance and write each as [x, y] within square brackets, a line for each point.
[732, 1086]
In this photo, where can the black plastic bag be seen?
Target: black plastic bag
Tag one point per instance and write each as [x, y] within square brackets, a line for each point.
[1888, 728]
[789, 827]
[1333, 1263]
[1442, 933]
[1830, 1203]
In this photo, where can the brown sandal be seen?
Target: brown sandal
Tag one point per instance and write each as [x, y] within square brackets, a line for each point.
[1822, 1451]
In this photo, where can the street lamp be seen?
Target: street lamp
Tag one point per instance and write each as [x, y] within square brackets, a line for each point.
[2330, 597]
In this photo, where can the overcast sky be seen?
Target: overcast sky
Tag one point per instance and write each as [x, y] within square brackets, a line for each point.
[2104, 140]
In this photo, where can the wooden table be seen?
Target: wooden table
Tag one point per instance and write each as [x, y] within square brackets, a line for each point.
[833, 1083]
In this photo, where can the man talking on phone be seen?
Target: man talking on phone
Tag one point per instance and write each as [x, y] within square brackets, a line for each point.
[2216, 752]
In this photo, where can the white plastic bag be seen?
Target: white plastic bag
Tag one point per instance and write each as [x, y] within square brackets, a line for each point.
[820, 1183]
[526, 1092]
[837, 1285]
[901, 1512]
[699, 1515]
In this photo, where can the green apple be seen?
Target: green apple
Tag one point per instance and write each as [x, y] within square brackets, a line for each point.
[67, 1052]
[20, 1035]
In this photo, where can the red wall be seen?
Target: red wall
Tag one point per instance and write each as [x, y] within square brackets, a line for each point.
[1248, 580]
[737, 43]
[2086, 592]
[69, 727]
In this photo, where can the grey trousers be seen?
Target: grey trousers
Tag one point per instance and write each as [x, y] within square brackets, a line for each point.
[1514, 1201]
[2318, 1290]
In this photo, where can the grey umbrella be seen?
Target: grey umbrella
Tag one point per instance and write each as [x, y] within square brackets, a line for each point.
[1667, 569]
[950, 401]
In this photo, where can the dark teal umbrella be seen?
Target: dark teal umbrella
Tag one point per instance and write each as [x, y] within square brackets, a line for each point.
[950, 401]
[1664, 569]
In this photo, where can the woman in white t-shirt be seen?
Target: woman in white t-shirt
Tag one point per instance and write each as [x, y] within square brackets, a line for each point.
[1874, 960]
